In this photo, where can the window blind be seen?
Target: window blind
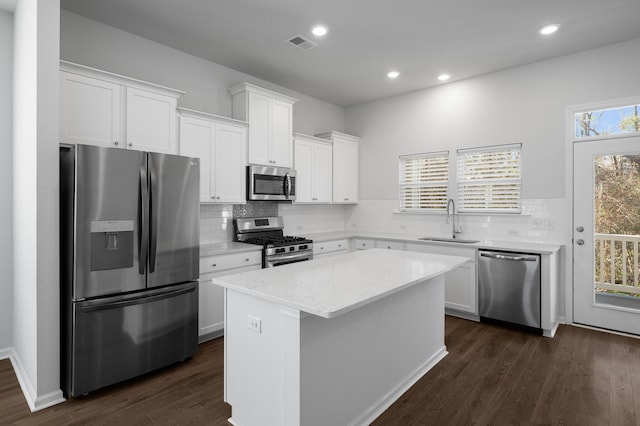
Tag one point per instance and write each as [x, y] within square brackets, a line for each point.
[423, 181]
[489, 179]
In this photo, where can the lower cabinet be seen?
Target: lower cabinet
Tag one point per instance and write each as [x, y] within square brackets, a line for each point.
[365, 244]
[460, 288]
[211, 296]
[330, 248]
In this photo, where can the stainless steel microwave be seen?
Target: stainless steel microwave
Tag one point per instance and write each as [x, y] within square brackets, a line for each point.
[271, 183]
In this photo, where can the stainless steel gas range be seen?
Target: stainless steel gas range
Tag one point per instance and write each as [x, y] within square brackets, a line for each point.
[277, 249]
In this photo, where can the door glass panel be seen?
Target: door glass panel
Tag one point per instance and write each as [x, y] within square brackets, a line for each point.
[616, 195]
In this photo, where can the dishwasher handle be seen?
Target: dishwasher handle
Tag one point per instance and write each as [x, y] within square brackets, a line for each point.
[506, 257]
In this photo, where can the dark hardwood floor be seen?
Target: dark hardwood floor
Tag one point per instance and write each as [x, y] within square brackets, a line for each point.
[492, 375]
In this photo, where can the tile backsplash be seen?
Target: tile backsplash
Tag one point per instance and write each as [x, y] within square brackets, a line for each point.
[542, 220]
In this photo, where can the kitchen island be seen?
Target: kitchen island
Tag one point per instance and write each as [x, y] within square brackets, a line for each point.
[334, 340]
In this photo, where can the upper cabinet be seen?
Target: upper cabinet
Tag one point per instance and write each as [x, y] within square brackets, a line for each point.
[105, 109]
[345, 166]
[270, 118]
[220, 143]
[313, 169]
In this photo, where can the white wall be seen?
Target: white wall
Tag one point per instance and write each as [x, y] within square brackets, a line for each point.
[35, 201]
[525, 104]
[91, 43]
[6, 180]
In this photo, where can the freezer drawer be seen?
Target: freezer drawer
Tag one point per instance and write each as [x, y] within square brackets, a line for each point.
[121, 337]
[509, 287]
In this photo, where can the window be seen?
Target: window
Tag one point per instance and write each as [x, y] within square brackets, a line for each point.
[610, 121]
[489, 179]
[424, 179]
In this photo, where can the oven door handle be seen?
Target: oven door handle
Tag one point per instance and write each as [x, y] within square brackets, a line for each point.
[287, 191]
[289, 257]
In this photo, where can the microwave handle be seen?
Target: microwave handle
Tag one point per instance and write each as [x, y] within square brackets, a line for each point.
[287, 190]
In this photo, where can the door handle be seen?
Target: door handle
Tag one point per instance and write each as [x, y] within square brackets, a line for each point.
[144, 219]
[580, 241]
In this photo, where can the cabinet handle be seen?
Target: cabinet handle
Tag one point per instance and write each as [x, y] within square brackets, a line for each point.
[115, 143]
[247, 259]
[130, 144]
[213, 197]
[214, 265]
[339, 245]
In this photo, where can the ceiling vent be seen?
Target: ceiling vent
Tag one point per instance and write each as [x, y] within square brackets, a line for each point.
[301, 42]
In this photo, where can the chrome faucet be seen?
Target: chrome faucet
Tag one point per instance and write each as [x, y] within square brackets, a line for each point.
[452, 205]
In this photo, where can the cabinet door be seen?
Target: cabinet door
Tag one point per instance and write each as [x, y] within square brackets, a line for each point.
[196, 140]
[304, 171]
[460, 286]
[281, 134]
[259, 129]
[90, 111]
[339, 168]
[230, 164]
[151, 121]
[460, 289]
[351, 172]
[322, 173]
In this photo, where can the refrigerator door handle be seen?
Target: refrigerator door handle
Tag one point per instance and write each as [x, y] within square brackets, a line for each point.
[153, 214]
[137, 300]
[144, 222]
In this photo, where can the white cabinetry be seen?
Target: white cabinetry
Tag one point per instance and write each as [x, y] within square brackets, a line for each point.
[460, 286]
[211, 296]
[220, 143]
[330, 248]
[345, 166]
[389, 245]
[270, 118]
[313, 169]
[363, 244]
[105, 109]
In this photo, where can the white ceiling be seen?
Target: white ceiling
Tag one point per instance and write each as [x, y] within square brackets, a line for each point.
[420, 38]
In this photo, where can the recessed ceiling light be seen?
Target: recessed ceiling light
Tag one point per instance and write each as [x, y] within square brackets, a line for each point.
[549, 29]
[393, 74]
[444, 77]
[319, 30]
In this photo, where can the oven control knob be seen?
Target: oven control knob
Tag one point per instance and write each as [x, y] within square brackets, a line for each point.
[292, 248]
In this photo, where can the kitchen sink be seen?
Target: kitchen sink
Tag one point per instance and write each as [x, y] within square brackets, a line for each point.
[448, 240]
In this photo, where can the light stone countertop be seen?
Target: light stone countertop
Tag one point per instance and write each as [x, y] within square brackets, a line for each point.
[226, 247]
[332, 286]
[520, 246]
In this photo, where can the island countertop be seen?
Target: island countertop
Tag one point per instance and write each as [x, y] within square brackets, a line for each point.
[329, 287]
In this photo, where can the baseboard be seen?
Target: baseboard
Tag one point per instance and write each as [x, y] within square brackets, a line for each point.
[34, 401]
[6, 353]
[386, 401]
[210, 336]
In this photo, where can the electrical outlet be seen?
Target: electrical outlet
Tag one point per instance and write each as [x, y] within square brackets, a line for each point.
[254, 324]
[537, 224]
[549, 224]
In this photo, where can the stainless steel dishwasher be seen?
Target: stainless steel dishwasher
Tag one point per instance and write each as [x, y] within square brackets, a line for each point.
[509, 287]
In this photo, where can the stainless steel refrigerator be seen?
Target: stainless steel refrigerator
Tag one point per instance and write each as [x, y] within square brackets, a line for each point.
[129, 263]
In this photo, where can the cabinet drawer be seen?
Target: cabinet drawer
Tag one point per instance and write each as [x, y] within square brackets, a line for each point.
[390, 245]
[361, 244]
[330, 246]
[229, 261]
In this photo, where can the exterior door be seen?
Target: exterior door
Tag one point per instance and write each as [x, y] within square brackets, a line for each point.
[174, 219]
[606, 234]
